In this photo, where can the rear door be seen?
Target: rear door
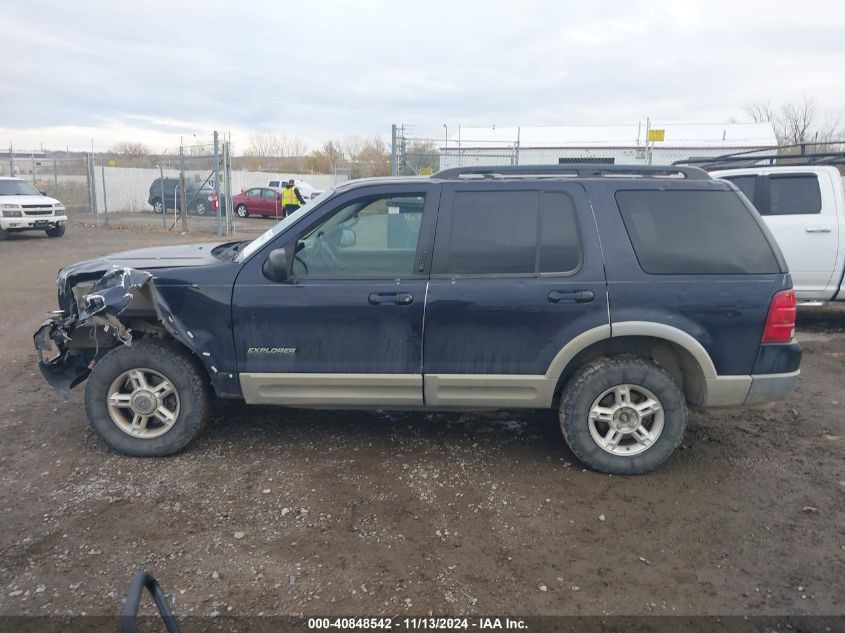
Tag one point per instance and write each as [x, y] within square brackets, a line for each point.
[517, 274]
[800, 209]
[270, 202]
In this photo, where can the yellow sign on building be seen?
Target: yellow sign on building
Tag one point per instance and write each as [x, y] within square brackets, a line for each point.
[657, 135]
[426, 171]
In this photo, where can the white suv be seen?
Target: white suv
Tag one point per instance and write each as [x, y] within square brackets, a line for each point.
[24, 208]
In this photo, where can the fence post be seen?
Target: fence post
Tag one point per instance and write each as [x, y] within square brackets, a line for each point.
[105, 204]
[393, 164]
[11, 161]
[227, 170]
[182, 188]
[89, 183]
[217, 214]
[55, 177]
[32, 166]
[161, 186]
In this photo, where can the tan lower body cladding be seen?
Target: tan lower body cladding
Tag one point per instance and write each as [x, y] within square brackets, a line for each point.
[398, 390]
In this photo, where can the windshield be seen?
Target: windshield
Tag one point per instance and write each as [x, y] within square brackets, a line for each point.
[17, 188]
[272, 232]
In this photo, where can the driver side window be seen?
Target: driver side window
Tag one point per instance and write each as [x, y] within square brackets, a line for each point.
[370, 237]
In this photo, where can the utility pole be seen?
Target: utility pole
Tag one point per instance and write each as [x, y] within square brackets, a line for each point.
[394, 171]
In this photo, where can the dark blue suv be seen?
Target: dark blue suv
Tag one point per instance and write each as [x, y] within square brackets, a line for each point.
[616, 295]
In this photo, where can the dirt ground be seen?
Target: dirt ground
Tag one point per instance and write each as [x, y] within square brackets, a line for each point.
[364, 513]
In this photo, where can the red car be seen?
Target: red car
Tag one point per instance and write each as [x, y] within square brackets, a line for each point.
[261, 201]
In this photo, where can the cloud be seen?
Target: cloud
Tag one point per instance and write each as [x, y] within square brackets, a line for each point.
[156, 70]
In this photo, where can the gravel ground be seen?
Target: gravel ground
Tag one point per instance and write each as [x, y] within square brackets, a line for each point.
[282, 511]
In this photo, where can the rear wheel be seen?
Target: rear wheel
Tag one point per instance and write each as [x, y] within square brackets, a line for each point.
[623, 416]
[158, 206]
[242, 211]
[201, 208]
[148, 399]
[56, 231]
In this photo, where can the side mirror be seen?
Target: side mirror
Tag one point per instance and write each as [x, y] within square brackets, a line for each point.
[276, 267]
[347, 238]
[43, 193]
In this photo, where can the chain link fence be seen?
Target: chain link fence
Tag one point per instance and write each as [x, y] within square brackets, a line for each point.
[414, 155]
[189, 188]
[65, 178]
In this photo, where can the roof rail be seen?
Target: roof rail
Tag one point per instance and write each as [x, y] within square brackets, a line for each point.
[579, 170]
[781, 155]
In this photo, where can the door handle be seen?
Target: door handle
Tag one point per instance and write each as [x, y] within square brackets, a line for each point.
[571, 296]
[391, 298]
[816, 229]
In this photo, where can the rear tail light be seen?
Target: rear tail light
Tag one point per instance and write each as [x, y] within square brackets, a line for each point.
[780, 322]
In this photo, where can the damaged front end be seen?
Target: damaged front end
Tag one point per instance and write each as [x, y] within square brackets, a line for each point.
[95, 317]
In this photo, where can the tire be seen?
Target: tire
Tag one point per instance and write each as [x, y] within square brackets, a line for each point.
[3, 234]
[56, 231]
[242, 211]
[593, 402]
[190, 393]
[201, 208]
[158, 207]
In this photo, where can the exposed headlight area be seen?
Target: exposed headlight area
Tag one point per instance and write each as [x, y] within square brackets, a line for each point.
[58, 207]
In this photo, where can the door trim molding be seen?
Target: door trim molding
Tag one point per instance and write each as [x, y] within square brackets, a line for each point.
[332, 389]
[489, 391]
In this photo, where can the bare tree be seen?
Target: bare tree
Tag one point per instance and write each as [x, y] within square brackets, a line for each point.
[129, 148]
[292, 147]
[760, 112]
[262, 145]
[798, 122]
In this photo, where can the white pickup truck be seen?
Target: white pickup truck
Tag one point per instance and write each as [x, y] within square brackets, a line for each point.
[804, 207]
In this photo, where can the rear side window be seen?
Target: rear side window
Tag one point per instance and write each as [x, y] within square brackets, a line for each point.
[794, 194]
[513, 232]
[695, 233]
[746, 184]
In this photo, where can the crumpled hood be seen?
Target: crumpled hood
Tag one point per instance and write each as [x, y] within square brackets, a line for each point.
[146, 259]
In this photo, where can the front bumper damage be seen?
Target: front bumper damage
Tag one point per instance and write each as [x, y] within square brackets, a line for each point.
[71, 341]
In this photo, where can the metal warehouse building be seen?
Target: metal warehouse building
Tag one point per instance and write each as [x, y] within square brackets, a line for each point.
[638, 143]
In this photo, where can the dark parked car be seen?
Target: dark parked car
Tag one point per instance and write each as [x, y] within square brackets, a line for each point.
[198, 196]
[615, 295]
[262, 201]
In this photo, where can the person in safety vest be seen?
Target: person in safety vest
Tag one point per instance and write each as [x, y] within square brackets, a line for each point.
[291, 198]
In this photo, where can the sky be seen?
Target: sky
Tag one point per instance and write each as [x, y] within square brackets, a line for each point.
[152, 72]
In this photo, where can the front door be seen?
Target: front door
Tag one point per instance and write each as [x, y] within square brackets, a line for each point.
[517, 274]
[346, 328]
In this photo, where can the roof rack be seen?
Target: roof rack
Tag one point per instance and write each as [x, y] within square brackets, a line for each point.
[783, 155]
[579, 170]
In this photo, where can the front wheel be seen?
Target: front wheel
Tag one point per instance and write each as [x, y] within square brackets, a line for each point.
[148, 399]
[201, 208]
[242, 211]
[56, 231]
[158, 206]
[623, 416]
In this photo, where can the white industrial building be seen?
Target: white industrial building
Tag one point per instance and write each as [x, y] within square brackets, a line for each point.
[639, 143]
